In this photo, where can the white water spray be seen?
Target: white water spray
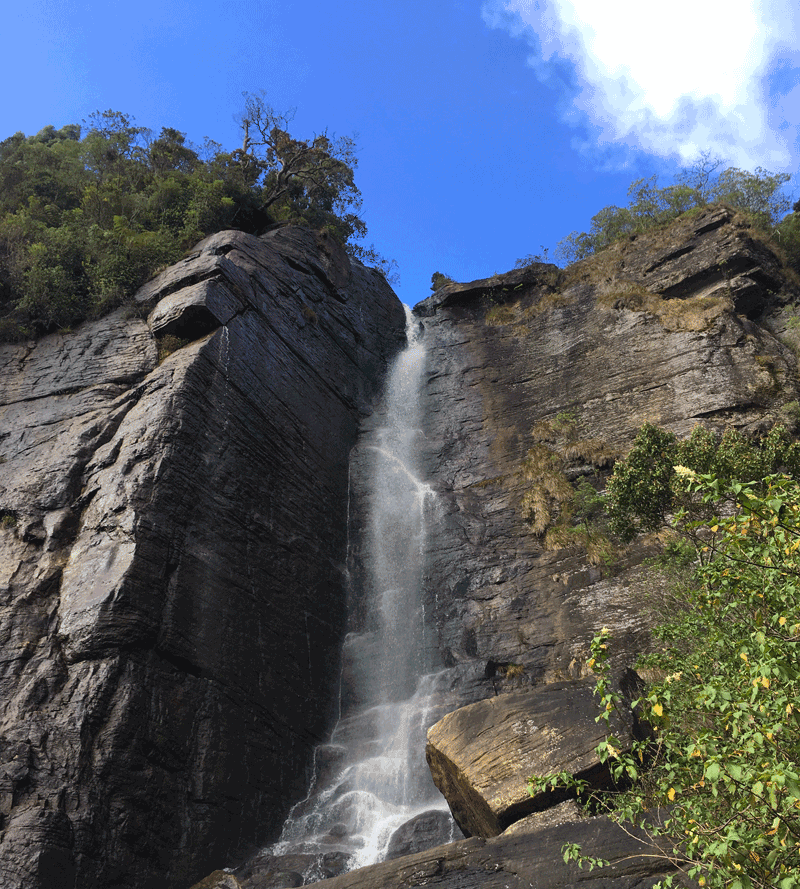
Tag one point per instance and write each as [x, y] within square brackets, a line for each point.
[372, 777]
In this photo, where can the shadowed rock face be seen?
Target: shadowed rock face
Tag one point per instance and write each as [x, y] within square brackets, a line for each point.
[609, 342]
[171, 561]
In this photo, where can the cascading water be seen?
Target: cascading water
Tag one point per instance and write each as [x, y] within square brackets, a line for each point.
[372, 777]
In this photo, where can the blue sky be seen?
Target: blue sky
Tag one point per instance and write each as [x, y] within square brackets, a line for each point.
[487, 129]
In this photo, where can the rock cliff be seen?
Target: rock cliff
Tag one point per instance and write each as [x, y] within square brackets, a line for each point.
[172, 543]
[538, 379]
[648, 330]
[173, 539]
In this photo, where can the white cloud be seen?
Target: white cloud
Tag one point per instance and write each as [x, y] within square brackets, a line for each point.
[673, 79]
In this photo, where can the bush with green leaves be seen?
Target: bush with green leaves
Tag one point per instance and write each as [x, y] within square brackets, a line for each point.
[759, 195]
[87, 217]
[642, 491]
[716, 784]
[439, 279]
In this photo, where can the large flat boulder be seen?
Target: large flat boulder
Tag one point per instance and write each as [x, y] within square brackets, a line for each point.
[520, 861]
[481, 755]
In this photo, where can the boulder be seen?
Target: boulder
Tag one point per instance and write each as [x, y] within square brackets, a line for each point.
[567, 812]
[219, 880]
[481, 755]
[421, 832]
[267, 871]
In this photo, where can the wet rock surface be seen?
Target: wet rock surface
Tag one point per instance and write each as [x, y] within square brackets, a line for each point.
[171, 560]
[518, 861]
[527, 854]
[422, 832]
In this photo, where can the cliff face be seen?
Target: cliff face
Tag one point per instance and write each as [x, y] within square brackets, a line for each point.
[646, 331]
[537, 379]
[172, 545]
[172, 538]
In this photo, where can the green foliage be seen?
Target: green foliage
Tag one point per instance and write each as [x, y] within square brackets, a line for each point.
[639, 491]
[533, 259]
[168, 344]
[304, 181]
[759, 195]
[87, 216]
[643, 488]
[722, 765]
[438, 279]
[566, 514]
[787, 237]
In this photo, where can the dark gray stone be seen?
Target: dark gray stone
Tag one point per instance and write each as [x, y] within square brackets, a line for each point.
[172, 595]
[422, 832]
[172, 565]
[521, 860]
[633, 334]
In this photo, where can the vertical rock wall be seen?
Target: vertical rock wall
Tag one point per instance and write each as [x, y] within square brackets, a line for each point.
[172, 543]
[675, 328]
[654, 329]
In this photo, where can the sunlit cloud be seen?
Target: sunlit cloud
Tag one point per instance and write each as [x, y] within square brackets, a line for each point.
[672, 81]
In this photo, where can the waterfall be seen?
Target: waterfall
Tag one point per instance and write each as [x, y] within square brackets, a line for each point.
[371, 777]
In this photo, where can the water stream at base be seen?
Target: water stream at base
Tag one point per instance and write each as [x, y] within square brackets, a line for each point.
[371, 777]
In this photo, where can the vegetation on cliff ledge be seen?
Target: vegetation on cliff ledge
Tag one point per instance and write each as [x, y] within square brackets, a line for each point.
[759, 196]
[88, 214]
[716, 781]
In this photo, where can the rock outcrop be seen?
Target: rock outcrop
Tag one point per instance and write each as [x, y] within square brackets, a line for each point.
[172, 546]
[529, 856]
[545, 372]
[676, 327]
[481, 755]
[172, 543]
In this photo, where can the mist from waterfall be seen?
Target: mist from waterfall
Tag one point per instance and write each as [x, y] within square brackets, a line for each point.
[372, 777]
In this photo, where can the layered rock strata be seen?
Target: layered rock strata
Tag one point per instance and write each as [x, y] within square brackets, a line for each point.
[172, 543]
[647, 331]
[540, 373]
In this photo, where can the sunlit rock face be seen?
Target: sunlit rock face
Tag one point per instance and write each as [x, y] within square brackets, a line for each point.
[477, 753]
[172, 559]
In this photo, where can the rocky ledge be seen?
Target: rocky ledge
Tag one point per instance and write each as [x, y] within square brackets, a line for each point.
[528, 854]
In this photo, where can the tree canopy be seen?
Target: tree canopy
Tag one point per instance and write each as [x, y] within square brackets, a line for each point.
[759, 195]
[88, 213]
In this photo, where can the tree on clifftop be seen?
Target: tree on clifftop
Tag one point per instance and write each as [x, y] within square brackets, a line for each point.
[309, 181]
[86, 218]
